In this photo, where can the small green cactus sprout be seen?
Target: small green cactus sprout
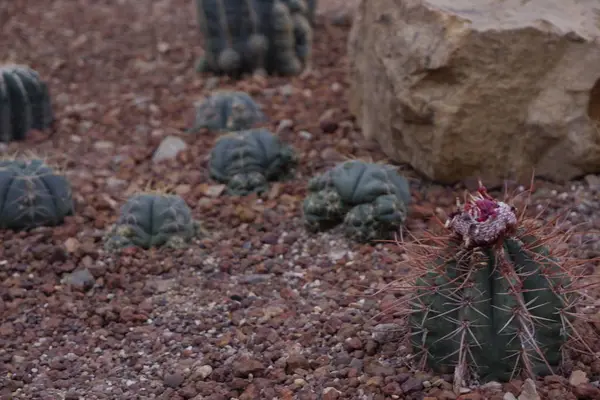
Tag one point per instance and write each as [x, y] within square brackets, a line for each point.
[492, 298]
[32, 195]
[371, 200]
[227, 111]
[24, 103]
[256, 36]
[149, 220]
[248, 160]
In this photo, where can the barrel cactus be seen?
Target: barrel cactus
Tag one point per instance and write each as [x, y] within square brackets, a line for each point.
[24, 102]
[256, 36]
[371, 200]
[32, 195]
[150, 220]
[248, 160]
[227, 111]
[491, 299]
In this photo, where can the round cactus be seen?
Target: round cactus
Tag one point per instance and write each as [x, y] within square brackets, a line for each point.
[24, 102]
[248, 160]
[492, 298]
[32, 195]
[370, 199]
[227, 111]
[150, 220]
[323, 207]
[370, 221]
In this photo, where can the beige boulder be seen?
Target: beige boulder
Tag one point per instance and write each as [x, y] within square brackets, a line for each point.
[488, 88]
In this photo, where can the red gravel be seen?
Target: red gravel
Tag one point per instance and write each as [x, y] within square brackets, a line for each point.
[258, 309]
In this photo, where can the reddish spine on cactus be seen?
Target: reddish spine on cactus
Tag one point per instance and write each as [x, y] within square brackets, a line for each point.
[497, 294]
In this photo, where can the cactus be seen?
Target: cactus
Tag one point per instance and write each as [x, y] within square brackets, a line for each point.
[24, 102]
[312, 8]
[305, 7]
[32, 195]
[255, 36]
[491, 299]
[150, 220]
[248, 160]
[371, 200]
[227, 111]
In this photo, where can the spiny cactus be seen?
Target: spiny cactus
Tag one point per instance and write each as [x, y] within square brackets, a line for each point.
[248, 160]
[370, 199]
[32, 195]
[150, 220]
[493, 298]
[24, 102]
[227, 111]
[263, 36]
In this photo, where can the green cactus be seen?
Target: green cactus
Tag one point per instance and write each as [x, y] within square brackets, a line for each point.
[491, 301]
[323, 207]
[305, 7]
[255, 36]
[227, 111]
[370, 199]
[24, 102]
[32, 195]
[248, 160]
[150, 220]
[312, 8]
[371, 221]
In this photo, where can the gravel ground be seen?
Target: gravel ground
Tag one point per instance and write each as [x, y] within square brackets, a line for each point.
[257, 309]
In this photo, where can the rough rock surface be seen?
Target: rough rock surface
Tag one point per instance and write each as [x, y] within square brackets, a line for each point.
[458, 89]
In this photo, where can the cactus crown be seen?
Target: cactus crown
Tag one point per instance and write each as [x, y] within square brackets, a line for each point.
[482, 220]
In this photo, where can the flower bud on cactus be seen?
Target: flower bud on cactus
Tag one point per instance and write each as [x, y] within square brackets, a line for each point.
[248, 160]
[24, 102]
[492, 298]
[227, 111]
[150, 220]
[32, 195]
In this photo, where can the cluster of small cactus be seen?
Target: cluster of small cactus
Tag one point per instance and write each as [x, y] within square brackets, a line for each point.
[491, 298]
[256, 36]
[224, 111]
[246, 161]
[24, 102]
[371, 200]
[149, 220]
[32, 195]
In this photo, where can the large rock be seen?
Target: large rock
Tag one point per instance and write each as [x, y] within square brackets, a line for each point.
[489, 88]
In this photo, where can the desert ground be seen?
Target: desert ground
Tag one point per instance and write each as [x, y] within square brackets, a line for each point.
[258, 308]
